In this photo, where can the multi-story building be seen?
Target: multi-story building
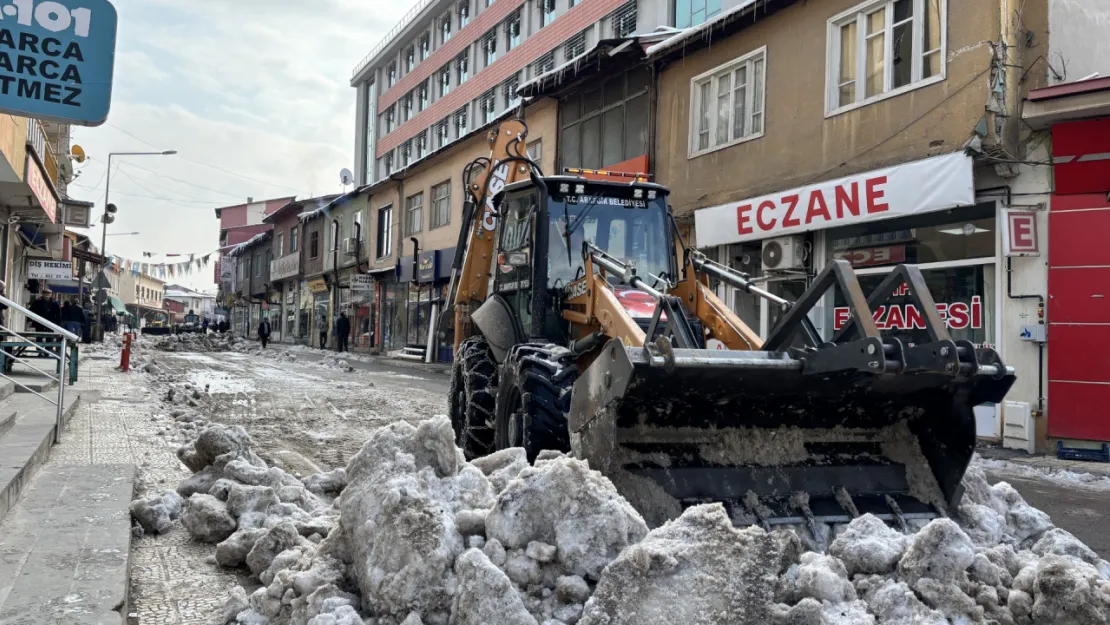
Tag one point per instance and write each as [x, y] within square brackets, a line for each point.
[238, 224]
[451, 66]
[202, 304]
[250, 283]
[287, 286]
[143, 296]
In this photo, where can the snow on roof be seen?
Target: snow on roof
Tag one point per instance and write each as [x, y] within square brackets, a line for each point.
[323, 205]
[236, 249]
[704, 29]
[557, 72]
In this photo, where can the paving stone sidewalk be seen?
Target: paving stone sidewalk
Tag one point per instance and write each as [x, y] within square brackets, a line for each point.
[173, 581]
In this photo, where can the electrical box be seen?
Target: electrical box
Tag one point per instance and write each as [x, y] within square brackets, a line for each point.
[1034, 333]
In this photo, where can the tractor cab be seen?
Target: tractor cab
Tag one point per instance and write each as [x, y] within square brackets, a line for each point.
[543, 225]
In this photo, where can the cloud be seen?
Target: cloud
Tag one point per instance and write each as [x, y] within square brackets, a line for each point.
[256, 87]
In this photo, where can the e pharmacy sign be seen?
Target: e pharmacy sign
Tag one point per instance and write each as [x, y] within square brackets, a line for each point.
[57, 59]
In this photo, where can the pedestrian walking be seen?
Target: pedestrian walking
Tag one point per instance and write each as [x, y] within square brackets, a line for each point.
[264, 331]
[73, 317]
[204, 326]
[342, 332]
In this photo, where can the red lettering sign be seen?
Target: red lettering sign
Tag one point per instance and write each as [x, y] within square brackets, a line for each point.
[957, 315]
[791, 202]
[743, 219]
[874, 194]
[1021, 233]
[874, 256]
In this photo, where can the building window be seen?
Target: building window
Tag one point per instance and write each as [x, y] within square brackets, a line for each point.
[257, 265]
[544, 64]
[410, 59]
[606, 124]
[444, 82]
[406, 107]
[689, 13]
[314, 244]
[728, 104]
[406, 153]
[489, 3]
[292, 239]
[878, 50]
[280, 244]
[464, 13]
[509, 88]
[392, 73]
[421, 145]
[442, 134]
[385, 231]
[387, 163]
[414, 213]
[422, 96]
[460, 123]
[390, 119]
[489, 106]
[512, 31]
[445, 29]
[425, 47]
[623, 20]
[575, 46]
[489, 48]
[535, 150]
[441, 204]
[462, 68]
[572, 3]
[547, 12]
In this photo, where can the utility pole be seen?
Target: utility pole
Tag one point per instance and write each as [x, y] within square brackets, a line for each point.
[107, 218]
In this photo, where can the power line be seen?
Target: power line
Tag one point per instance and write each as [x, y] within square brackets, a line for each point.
[149, 190]
[191, 184]
[216, 167]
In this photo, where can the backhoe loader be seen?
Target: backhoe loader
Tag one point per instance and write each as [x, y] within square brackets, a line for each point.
[581, 325]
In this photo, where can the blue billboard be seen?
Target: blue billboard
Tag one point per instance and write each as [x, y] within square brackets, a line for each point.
[57, 58]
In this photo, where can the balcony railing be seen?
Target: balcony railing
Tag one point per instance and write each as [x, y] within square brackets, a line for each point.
[36, 138]
[405, 21]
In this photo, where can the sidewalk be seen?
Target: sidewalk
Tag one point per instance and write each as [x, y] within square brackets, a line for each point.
[1044, 461]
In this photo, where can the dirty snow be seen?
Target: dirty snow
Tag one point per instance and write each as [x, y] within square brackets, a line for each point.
[1063, 477]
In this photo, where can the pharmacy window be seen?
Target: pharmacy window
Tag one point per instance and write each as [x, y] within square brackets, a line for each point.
[728, 104]
[883, 48]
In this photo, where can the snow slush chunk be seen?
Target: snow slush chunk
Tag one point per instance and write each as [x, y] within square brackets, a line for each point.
[695, 569]
[868, 545]
[157, 513]
[1068, 591]
[485, 594]
[565, 504]
[206, 519]
[941, 550]
[1060, 542]
[812, 612]
[820, 577]
[894, 603]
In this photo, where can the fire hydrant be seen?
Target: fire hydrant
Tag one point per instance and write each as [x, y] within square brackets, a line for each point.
[125, 355]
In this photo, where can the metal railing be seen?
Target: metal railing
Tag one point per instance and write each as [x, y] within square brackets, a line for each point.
[56, 337]
[405, 21]
[36, 138]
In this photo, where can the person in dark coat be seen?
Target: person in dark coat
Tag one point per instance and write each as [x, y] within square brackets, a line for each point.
[204, 326]
[342, 332]
[264, 331]
[40, 307]
[53, 310]
[73, 318]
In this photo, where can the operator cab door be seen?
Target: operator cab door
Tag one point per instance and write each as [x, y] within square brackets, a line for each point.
[513, 272]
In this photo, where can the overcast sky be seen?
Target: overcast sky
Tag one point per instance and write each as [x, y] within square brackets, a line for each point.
[259, 88]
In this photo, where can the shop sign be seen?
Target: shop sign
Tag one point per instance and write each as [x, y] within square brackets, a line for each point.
[1020, 236]
[933, 184]
[42, 269]
[426, 267]
[319, 285]
[66, 54]
[956, 315]
[37, 181]
[362, 282]
[286, 266]
[873, 256]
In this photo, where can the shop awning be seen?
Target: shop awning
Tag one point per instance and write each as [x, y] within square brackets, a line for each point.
[117, 304]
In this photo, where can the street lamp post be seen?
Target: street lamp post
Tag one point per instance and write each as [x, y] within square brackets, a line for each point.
[105, 218]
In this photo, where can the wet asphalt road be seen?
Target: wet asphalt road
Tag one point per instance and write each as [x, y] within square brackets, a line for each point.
[1081, 512]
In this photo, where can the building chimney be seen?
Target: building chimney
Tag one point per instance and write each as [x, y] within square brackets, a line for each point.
[250, 200]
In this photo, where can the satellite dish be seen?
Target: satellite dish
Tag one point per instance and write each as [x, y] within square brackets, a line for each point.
[78, 153]
[346, 177]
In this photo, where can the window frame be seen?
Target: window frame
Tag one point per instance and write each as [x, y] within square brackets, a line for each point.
[410, 58]
[425, 43]
[446, 199]
[463, 11]
[443, 134]
[860, 12]
[293, 240]
[489, 114]
[314, 244]
[489, 48]
[421, 146]
[512, 22]
[746, 60]
[690, 22]
[462, 68]
[547, 16]
[423, 97]
[444, 80]
[414, 214]
[538, 146]
[390, 119]
[280, 244]
[391, 74]
[461, 115]
[384, 238]
[445, 29]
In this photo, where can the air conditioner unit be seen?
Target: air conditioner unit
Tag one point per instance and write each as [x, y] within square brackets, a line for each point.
[783, 253]
[350, 246]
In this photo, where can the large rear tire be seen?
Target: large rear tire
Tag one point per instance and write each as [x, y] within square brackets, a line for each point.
[473, 397]
[533, 399]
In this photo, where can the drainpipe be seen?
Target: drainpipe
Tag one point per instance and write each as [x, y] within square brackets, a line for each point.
[335, 273]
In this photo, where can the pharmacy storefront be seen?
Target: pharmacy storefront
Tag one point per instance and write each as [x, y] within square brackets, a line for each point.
[923, 212]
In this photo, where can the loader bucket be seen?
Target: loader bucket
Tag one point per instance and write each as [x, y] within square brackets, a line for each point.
[775, 443]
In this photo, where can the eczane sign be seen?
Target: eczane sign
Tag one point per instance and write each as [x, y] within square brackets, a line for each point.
[57, 59]
[932, 184]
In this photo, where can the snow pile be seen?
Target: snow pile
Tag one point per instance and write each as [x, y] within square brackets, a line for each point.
[410, 533]
[337, 361]
[195, 342]
[155, 514]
